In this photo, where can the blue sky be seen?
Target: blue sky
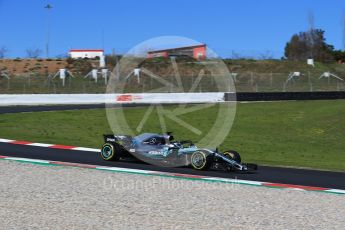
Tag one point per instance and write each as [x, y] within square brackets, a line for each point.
[245, 26]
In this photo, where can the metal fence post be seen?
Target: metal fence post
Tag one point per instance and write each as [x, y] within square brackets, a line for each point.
[252, 77]
[271, 83]
[310, 82]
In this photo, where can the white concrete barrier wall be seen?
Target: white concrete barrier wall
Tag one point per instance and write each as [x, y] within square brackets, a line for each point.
[73, 99]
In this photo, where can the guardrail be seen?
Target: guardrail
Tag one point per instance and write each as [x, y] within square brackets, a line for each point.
[160, 98]
[280, 96]
[140, 98]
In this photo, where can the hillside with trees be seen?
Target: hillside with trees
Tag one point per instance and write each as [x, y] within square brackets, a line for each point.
[312, 44]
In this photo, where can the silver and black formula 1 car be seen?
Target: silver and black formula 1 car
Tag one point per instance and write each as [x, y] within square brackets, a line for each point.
[164, 150]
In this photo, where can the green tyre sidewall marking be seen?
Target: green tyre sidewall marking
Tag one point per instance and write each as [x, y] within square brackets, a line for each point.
[107, 147]
[203, 166]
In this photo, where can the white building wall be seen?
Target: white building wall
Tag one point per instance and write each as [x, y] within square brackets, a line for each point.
[86, 54]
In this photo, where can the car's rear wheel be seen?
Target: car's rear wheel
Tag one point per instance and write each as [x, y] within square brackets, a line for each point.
[200, 160]
[109, 152]
[233, 155]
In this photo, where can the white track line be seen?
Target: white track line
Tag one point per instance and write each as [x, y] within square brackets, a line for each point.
[86, 149]
[5, 140]
[40, 144]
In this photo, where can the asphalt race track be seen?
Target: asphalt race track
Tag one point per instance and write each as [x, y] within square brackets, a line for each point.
[266, 174]
[42, 108]
[46, 108]
[304, 177]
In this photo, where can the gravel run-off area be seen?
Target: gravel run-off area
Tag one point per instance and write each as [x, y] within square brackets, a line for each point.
[55, 197]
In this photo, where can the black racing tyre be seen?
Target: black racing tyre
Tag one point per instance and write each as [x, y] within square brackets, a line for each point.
[200, 160]
[233, 155]
[109, 152]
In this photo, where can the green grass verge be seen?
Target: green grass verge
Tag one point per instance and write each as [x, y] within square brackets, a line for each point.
[301, 134]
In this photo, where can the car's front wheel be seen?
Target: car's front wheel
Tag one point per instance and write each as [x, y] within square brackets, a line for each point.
[233, 155]
[109, 152]
[200, 160]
